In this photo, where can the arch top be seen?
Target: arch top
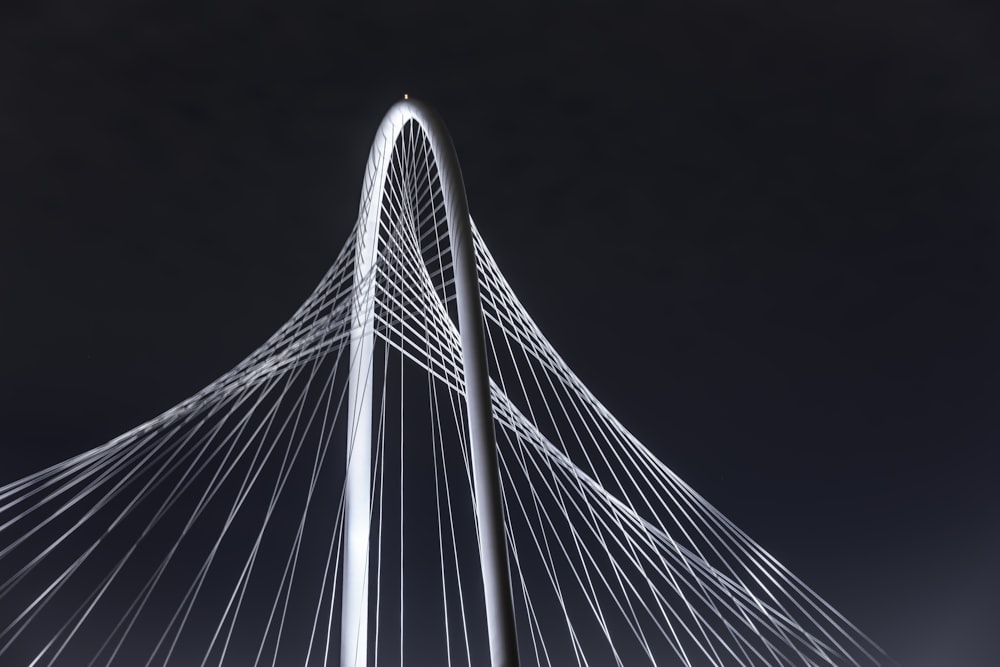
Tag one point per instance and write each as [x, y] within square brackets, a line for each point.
[446, 158]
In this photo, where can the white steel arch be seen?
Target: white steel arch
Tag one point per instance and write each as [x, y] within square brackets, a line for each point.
[179, 542]
[485, 468]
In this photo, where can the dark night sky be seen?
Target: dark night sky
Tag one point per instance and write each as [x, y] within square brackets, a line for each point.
[765, 234]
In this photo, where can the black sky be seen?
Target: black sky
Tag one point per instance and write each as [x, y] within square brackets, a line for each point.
[764, 233]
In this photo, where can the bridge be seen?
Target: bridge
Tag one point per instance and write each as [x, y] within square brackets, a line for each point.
[406, 472]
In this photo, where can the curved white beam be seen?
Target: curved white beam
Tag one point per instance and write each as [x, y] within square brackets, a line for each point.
[485, 468]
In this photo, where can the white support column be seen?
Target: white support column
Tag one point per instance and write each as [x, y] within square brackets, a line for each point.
[485, 463]
[357, 522]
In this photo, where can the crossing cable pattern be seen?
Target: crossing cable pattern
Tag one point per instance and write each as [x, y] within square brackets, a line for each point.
[215, 532]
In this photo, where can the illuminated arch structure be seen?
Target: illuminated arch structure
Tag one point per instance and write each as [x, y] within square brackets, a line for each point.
[212, 533]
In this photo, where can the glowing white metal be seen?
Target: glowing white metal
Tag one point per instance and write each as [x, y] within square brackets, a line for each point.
[486, 473]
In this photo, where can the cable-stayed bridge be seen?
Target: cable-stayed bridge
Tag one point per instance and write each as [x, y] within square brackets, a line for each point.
[406, 472]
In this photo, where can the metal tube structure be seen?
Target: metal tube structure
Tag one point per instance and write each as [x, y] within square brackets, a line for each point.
[357, 520]
[497, 588]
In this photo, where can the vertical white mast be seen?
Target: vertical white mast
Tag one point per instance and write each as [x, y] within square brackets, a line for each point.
[357, 522]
